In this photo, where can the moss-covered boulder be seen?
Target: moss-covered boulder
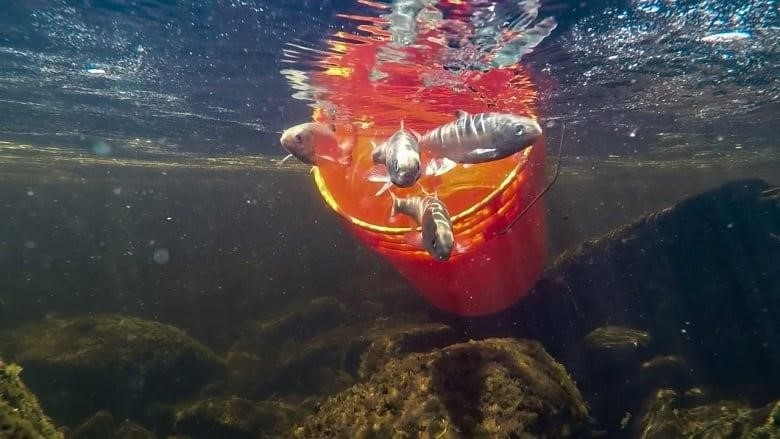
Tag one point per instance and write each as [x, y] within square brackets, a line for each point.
[615, 351]
[487, 389]
[664, 418]
[81, 365]
[329, 361]
[21, 416]
[236, 418]
[103, 425]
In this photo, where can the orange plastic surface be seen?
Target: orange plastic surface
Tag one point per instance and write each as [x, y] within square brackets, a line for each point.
[482, 199]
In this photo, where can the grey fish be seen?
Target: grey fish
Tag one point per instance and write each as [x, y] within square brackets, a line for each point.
[482, 137]
[397, 160]
[431, 214]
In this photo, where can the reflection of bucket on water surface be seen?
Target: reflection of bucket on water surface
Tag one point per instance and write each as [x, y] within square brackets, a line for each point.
[482, 199]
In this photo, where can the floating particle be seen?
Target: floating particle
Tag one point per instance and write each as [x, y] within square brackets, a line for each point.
[101, 148]
[161, 256]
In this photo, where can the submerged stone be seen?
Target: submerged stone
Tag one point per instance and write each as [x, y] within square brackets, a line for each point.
[665, 371]
[615, 351]
[118, 363]
[21, 416]
[103, 425]
[100, 425]
[617, 339]
[329, 361]
[484, 389]
[722, 419]
[236, 418]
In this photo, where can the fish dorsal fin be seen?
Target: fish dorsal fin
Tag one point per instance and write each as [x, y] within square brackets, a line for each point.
[460, 113]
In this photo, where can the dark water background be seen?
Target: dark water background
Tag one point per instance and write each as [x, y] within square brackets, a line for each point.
[149, 191]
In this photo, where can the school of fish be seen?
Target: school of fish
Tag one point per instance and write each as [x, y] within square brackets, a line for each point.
[468, 140]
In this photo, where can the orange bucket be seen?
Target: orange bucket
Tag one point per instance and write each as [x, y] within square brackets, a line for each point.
[367, 94]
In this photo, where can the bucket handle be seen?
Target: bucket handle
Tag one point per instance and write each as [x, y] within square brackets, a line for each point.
[546, 188]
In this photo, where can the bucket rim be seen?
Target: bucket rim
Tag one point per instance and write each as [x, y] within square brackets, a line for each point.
[334, 205]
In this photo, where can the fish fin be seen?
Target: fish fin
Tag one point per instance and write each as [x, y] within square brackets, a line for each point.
[441, 166]
[384, 188]
[415, 134]
[461, 248]
[414, 239]
[435, 193]
[378, 174]
[460, 113]
[281, 162]
[311, 171]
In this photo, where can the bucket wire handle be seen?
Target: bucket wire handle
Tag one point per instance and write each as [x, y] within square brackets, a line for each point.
[540, 194]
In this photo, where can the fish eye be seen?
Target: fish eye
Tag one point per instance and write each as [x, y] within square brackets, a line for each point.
[298, 138]
[519, 130]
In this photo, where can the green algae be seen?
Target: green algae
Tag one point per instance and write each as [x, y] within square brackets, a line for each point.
[488, 389]
[20, 414]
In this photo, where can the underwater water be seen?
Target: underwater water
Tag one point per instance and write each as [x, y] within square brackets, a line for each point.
[162, 274]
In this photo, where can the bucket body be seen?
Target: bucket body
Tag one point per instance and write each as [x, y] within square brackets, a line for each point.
[367, 95]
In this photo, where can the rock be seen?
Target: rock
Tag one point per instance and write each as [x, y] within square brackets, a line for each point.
[617, 340]
[490, 388]
[130, 430]
[252, 360]
[98, 426]
[660, 420]
[667, 371]
[614, 352]
[20, 415]
[330, 361]
[236, 418]
[722, 419]
[116, 363]
[700, 276]
[319, 315]
[102, 425]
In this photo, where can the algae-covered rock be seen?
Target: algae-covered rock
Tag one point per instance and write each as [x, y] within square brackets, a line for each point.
[665, 371]
[98, 426]
[252, 360]
[82, 365]
[330, 361]
[486, 389]
[131, 430]
[236, 418]
[103, 425]
[321, 314]
[615, 351]
[617, 340]
[722, 419]
[20, 415]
